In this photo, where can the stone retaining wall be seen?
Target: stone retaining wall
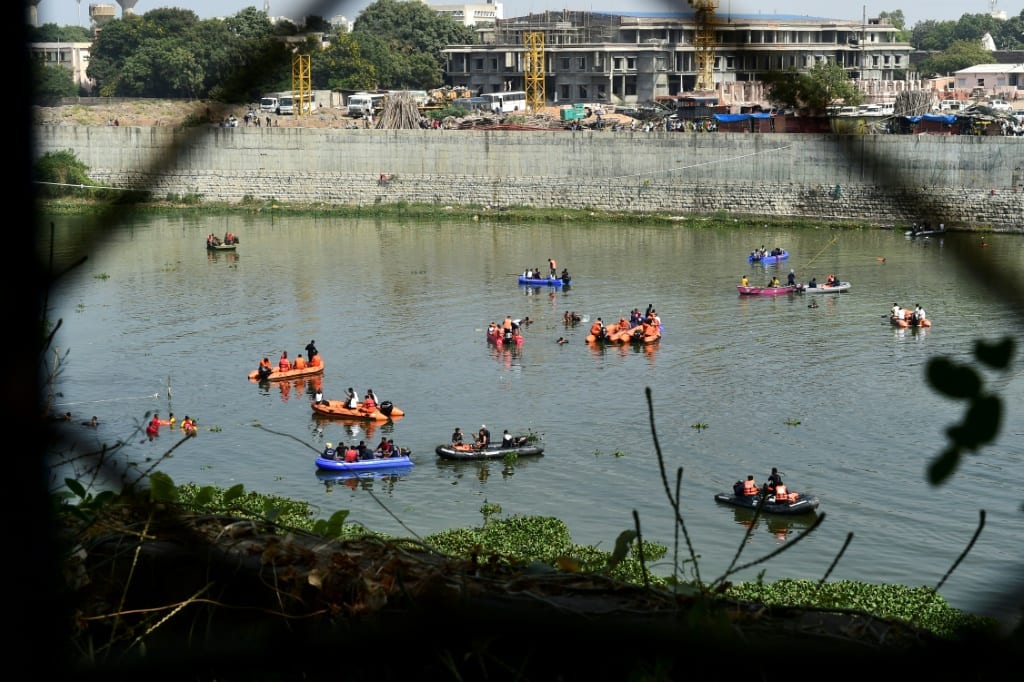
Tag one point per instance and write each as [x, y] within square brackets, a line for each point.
[961, 181]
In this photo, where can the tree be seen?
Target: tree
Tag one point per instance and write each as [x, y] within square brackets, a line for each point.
[932, 35]
[959, 55]
[52, 81]
[342, 66]
[897, 19]
[397, 37]
[821, 86]
[52, 33]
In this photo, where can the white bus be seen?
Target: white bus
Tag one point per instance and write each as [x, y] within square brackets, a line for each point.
[505, 102]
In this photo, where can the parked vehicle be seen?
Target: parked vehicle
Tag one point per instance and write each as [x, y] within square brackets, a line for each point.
[999, 105]
[506, 102]
[363, 103]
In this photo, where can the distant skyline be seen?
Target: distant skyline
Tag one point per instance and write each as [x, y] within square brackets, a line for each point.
[76, 12]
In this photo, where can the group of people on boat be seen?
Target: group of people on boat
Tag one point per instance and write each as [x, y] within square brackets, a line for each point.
[830, 281]
[284, 364]
[758, 254]
[230, 238]
[774, 488]
[913, 317]
[537, 273]
[640, 324]
[386, 449]
[483, 438]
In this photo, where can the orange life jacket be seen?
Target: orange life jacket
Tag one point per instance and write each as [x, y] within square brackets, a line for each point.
[300, 363]
[749, 487]
[316, 361]
[595, 329]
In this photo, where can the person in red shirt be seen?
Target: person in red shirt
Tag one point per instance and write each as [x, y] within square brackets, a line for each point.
[284, 364]
[153, 429]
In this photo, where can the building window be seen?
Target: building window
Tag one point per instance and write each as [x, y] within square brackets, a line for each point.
[730, 63]
[581, 63]
[617, 63]
[981, 82]
[563, 64]
[564, 91]
[629, 87]
[583, 91]
[602, 94]
[494, 63]
[631, 63]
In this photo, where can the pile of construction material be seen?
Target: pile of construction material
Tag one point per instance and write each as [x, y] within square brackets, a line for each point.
[400, 111]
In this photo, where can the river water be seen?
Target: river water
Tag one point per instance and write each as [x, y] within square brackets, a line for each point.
[832, 395]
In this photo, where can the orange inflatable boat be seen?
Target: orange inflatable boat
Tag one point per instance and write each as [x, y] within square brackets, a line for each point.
[278, 375]
[336, 408]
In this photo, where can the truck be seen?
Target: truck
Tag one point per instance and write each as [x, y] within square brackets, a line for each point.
[362, 103]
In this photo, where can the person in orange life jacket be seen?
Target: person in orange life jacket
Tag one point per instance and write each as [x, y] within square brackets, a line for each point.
[597, 328]
[284, 364]
[750, 486]
[188, 426]
[369, 404]
[311, 349]
[316, 360]
[153, 429]
[300, 362]
[264, 368]
[351, 454]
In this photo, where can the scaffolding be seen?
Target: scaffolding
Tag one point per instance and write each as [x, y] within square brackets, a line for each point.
[704, 40]
[536, 97]
[302, 85]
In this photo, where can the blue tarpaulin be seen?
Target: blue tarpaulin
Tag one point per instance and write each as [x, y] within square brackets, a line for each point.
[943, 118]
[734, 118]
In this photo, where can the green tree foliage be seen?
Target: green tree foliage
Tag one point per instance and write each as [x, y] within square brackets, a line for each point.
[52, 81]
[959, 55]
[171, 53]
[897, 19]
[932, 35]
[824, 84]
[342, 66]
[52, 33]
[60, 168]
[396, 37]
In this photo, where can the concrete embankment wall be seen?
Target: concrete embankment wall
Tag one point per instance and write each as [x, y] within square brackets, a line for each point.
[974, 181]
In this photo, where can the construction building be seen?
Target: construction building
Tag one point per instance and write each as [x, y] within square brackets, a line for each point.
[627, 59]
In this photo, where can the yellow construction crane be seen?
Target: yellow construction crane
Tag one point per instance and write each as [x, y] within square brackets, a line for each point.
[302, 88]
[704, 40]
[533, 68]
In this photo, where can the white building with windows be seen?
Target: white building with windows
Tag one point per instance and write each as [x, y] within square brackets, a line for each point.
[472, 15]
[72, 56]
[639, 57]
[1004, 80]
